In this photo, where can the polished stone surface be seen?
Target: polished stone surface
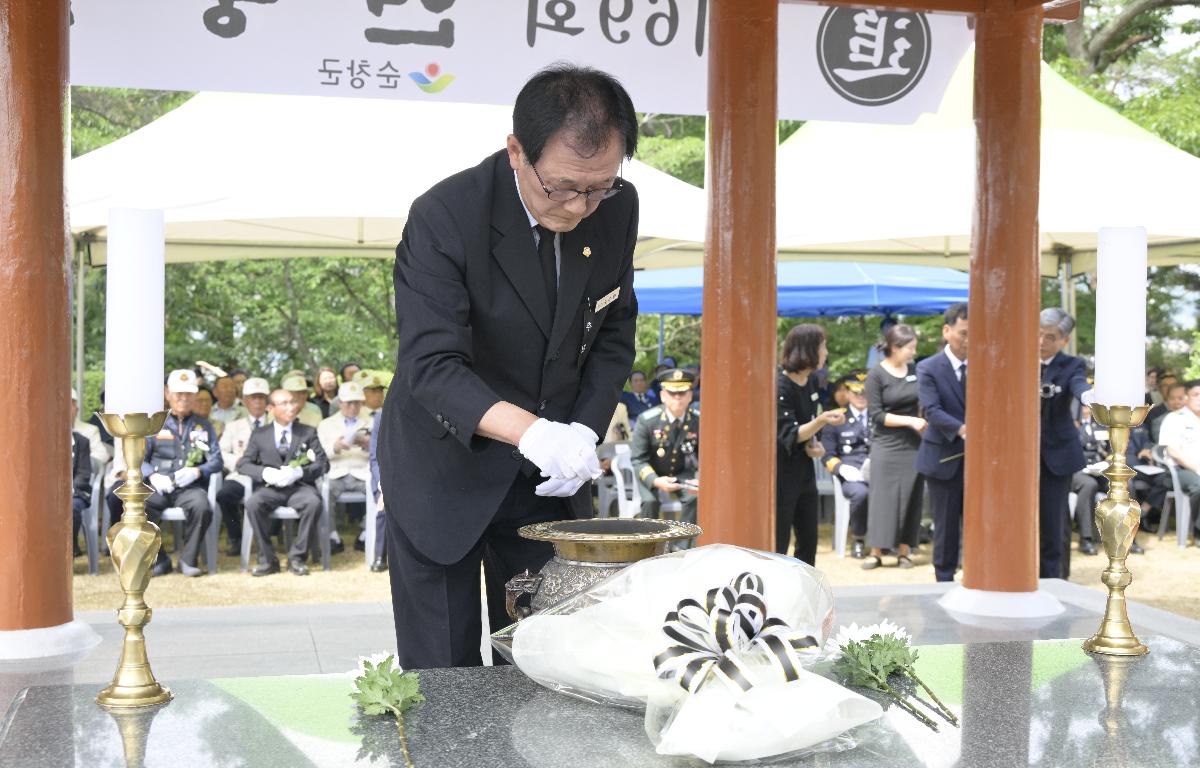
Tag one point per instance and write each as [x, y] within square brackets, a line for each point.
[1020, 703]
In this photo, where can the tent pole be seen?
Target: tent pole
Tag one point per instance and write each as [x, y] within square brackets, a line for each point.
[662, 329]
[79, 323]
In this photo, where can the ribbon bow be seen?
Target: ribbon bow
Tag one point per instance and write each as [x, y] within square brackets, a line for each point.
[732, 624]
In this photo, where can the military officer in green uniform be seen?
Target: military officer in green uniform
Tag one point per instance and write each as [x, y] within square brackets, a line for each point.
[666, 448]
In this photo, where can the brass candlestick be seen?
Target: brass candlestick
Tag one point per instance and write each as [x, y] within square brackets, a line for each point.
[1118, 518]
[134, 543]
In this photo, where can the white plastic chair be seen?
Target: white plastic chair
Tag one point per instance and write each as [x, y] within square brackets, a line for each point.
[841, 517]
[326, 525]
[91, 519]
[287, 514]
[1176, 499]
[178, 516]
[629, 500]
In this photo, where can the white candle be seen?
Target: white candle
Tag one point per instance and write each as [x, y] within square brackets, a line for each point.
[1121, 316]
[133, 338]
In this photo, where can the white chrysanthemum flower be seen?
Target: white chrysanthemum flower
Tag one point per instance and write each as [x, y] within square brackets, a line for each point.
[855, 633]
[312, 455]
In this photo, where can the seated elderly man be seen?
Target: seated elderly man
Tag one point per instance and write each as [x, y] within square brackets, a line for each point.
[99, 450]
[1180, 435]
[81, 479]
[307, 413]
[179, 460]
[373, 392]
[233, 445]
[346, 438]
[226, 409]
[284, 459]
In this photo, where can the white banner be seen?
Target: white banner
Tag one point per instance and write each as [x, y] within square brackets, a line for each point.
[834, 63]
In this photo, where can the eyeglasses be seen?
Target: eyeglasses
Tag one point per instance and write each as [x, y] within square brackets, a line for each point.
[591, 195]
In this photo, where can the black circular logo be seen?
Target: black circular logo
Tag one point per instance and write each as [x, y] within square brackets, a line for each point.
[871, 56]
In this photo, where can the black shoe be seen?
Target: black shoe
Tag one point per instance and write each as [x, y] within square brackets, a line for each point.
[266, 569]
[379, 565]
[360, 545]
[336, 547]
[235, 548]
[858, 550]
[297, 567]
[162, 567]
[1136, 549]
[1087, 547]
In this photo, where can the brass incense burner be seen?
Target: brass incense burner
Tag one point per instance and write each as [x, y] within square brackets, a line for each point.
[585, 552]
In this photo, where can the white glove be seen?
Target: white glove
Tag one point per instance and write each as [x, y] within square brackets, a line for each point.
[559, 486]
[1097, 468]
[270, 475]
[296, 474]
[587, 432]
[161, 483]
[186, 476]
[850, 474]
[560, 450]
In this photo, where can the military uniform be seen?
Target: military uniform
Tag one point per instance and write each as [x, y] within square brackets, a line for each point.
[662, 447]
[850, 445]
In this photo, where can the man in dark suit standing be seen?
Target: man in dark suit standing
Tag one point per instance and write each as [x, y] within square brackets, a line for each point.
[1064, 380]
[639, 398]
[81, 483]
[515, 316]
[942, 391]
[284, 459]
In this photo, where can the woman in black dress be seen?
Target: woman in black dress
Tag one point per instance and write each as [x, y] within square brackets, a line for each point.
[894, 500]
[797, 423]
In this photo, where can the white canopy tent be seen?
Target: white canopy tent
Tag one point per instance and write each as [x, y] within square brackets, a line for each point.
[244, 176]
[905, 192]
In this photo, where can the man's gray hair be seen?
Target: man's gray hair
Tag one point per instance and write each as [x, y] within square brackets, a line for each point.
[1058, 318]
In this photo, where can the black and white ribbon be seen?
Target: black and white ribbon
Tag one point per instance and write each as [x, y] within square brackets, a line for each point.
[718, 636]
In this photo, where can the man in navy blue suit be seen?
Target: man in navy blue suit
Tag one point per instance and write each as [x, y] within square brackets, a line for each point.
[1063, 381]
[639, 398]
[942, 390]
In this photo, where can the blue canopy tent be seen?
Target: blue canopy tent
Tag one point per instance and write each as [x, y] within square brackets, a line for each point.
[817, 288]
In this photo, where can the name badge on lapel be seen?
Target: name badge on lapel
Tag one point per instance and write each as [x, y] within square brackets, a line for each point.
[911, 377]
[815, 396]
[608, 298]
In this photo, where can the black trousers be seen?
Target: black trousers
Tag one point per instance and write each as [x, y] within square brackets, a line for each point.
[229, 499]
[300, 497]
[1054, 522]
[194, 501]
[436, 607]
[796, 507]
[1085, 487]
[857, 494]
[946, 500]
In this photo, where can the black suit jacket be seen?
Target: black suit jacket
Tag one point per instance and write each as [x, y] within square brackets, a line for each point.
[81, 467]
[262, 452]
[1064, 380]
[475, 328]
[944, 404]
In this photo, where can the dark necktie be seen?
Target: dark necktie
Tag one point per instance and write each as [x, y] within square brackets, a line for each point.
[257, 423]
[283, 443]
[962, 376]
[549, 266]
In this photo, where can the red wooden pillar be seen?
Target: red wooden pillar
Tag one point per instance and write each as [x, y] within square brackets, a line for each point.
[1000, 546]
[35, 447]
[737, 456]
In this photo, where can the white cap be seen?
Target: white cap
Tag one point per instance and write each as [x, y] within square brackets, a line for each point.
[182, 380]
[350, 392]
[255, 386]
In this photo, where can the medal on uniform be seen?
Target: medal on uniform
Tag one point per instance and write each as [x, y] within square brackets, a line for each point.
[661, 452]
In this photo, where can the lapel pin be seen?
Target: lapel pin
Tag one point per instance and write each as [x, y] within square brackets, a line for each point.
[587, 251]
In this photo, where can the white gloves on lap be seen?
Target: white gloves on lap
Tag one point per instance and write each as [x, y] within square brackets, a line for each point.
[186, 476]
[161, 483]
[565, 453]
[281, 477]
[850, 474]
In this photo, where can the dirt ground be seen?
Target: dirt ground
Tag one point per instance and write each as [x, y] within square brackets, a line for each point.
[1165, 577]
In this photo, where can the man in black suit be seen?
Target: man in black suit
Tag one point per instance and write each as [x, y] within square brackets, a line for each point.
[942, 391]
[284, 459]
[515, 315]
[81, 484]
[639, 398]
[1064, 380]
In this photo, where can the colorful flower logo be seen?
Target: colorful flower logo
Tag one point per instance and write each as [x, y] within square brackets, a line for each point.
[429, 80]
